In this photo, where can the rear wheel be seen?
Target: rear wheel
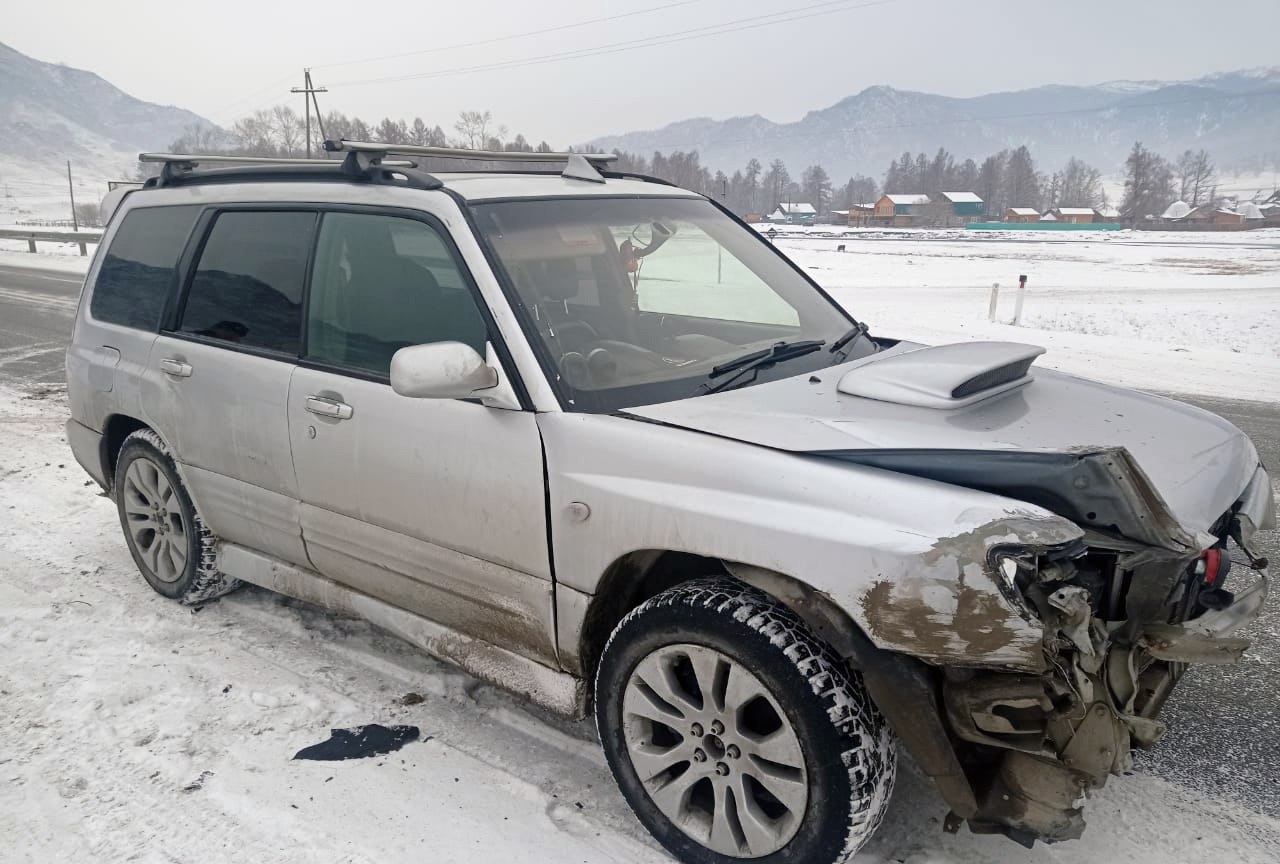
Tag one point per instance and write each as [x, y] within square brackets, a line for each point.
[734, 733]
[170, 543]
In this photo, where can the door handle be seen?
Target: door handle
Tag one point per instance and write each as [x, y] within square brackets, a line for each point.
[326, 407]
[176, 368]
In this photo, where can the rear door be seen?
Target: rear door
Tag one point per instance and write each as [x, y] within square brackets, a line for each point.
[434, 505]
[217, 380]
[132, 282]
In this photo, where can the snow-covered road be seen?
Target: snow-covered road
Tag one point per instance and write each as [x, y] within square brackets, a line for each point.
[136, 729]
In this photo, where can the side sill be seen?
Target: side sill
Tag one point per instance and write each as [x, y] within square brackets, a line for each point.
[554, 690]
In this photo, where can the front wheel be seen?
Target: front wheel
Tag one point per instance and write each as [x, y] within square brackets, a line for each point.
[735, 733]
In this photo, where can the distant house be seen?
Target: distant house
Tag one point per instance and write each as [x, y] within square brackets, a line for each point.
[899, 210]
[1049, 217]
[1250, 212]
[1209, 215]
[1108, 213]
[1022, 214]
[860, 214]
[790, 213]
[1175, 211]
[965, 206]
[1074, 215]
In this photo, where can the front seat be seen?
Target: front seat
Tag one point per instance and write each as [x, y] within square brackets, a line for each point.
[393, 302]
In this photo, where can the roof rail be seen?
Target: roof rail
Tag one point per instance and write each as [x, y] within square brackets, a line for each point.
[581, 166]
[178, 166]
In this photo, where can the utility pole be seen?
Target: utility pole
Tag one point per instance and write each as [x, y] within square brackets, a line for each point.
[309, 92]
[75, 223]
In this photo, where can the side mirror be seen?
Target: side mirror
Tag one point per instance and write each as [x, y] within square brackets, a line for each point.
[440, 370]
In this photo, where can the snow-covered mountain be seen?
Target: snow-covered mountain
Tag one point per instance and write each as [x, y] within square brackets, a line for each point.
[1235, 115]
[51, 113]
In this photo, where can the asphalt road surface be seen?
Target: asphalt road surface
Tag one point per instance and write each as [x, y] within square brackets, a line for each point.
[1224, 721]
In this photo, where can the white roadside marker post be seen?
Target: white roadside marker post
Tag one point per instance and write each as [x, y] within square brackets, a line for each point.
[995, 299]
[1017, 303]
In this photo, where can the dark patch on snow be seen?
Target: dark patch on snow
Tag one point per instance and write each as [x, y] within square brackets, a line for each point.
[359, 742]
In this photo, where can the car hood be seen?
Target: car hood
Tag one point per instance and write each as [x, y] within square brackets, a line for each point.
[1150, 468]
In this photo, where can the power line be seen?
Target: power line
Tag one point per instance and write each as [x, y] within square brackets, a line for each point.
[510, 37]
[740, 24]
[556, 29]
[263, 89]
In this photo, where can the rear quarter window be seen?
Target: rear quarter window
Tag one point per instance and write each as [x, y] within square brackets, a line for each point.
[138, 272]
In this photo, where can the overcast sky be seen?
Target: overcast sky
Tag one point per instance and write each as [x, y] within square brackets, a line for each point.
[222, 59]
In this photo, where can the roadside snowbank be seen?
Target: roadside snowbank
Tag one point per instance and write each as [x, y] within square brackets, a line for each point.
[63, 257]
[136, 729]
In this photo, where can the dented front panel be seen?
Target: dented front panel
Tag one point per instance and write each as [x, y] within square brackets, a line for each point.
[908, 559]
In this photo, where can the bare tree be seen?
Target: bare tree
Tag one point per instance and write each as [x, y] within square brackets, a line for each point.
[1080, 185]
[475, 129]
[1196, 180]
[255, 134]
[288, 130]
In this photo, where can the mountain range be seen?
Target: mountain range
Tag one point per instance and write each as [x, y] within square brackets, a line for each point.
[50, 113]
[1234, 115]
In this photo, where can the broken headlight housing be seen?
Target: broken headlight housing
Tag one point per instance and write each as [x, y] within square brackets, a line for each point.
[1017, 567]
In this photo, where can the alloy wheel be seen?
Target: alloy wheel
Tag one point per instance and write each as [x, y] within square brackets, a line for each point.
[715, 751]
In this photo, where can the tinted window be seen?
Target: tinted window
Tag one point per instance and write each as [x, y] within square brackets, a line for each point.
[138, 270]
[247, 287]
[381, 284]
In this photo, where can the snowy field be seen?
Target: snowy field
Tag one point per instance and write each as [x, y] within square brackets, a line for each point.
[134, 729]
[1181, 312]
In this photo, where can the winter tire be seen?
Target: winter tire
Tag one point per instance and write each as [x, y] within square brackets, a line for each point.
[170, 543]
[734, 733]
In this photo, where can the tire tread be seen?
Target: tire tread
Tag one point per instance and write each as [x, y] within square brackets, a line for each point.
[871, 755]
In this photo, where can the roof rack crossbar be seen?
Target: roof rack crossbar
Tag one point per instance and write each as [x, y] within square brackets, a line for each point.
[206, 158]
[345, 146]
[178, 165]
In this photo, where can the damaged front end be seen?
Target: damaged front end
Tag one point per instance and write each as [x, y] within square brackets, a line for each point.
[1122, 620]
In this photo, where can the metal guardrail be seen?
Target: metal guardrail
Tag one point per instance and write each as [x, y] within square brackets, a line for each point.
[81, 238]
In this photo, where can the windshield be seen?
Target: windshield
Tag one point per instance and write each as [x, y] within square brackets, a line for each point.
[632, 301]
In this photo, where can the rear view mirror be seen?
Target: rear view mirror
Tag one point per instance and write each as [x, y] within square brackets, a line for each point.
[440, 370]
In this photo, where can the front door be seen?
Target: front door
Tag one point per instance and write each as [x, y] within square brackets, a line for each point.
[433, 505]
[217, 383]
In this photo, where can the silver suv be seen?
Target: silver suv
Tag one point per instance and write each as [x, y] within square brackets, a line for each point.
[591, 438]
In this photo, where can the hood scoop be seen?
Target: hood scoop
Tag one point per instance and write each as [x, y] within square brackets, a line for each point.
[944, 376]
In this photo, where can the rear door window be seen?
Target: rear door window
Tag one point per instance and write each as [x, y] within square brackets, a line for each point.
[247, 287]
[138, 270]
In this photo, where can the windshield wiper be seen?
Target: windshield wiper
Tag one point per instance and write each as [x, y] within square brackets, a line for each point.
[756, 360]
[858, 329]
